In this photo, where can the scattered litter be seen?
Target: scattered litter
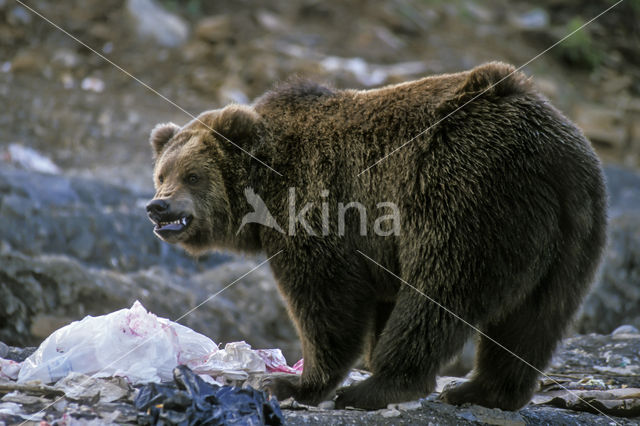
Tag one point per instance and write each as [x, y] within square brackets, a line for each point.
[24, 399]
[67, 80]
[409, 406]
[132, 343]
[370, 74]
[30, 159]
[275, 362]
[107, 48]
[589, 383]
[10, 408]
[197, 402]
[554, 382]
[34, 388]
[139, 346]
[355, 376]
[13, 413]
[236, 361]
[447, 382]
[628, 370]
[93, 84]
[389, 412]
[79, 387]
[291, 404]
[327, 405]
[9, 369]
[619, 402]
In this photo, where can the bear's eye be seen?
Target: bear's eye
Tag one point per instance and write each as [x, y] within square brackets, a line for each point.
[161, 179]
[193, 178]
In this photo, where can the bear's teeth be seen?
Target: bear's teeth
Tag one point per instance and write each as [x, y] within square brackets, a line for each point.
[181, 221]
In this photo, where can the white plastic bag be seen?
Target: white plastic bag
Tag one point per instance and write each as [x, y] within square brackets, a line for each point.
[132, 343]
[235, 362]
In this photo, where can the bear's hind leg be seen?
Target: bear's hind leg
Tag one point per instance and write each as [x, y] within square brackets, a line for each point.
[531, 331]
[534, 327]
[500, 379]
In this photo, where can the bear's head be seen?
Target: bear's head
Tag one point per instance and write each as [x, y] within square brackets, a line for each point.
[199, 175]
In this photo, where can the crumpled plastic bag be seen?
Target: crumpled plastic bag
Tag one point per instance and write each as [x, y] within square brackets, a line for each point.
[277, 363]
[139, 346]
[131, 342]
[196, 402]
[236, 361]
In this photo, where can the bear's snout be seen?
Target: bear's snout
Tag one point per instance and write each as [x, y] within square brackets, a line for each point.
[157, 207]
[168, 223]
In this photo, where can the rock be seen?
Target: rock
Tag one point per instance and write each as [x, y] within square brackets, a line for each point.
[615, 296]
[30, 159]
[18, 15]
[270, 21]
[66, 58]
[535, 19]
[625, 329]
[196, 50]
[255, 307]
[549, 87]
[602, 125]
[622, 188]
[233, 95]
[57, 287]
[85, 247]
[28, 60]
[214, 28]
[479, 12]
[15, 353]
[154, 22]
[103, 225]
[369, 74]
[585, 366]
[612, 359]
[78, 386]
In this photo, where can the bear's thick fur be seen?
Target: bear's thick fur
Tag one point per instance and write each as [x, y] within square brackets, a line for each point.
[502, 221]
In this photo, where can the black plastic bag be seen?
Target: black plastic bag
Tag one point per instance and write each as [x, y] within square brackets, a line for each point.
[196, 402]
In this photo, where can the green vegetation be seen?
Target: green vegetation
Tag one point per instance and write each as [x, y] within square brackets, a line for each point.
[188, 7]
[579, 49]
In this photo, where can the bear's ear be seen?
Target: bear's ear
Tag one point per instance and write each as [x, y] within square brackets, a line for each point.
[160, 135]
[238, 124]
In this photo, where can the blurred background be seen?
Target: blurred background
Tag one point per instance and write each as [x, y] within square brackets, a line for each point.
[75, 165]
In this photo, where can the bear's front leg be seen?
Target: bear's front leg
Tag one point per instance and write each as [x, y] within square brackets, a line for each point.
[332, 313]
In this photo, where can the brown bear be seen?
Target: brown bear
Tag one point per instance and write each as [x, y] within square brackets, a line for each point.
[501, 220]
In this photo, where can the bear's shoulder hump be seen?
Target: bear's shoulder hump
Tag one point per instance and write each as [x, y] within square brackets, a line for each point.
[294, 91]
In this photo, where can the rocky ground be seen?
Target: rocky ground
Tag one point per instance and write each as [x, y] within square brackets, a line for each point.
[75, 240]
[584, 385]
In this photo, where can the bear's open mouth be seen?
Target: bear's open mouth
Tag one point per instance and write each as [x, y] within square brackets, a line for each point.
[174, 225]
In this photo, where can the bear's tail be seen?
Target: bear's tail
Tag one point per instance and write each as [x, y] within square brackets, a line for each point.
[493, 80]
